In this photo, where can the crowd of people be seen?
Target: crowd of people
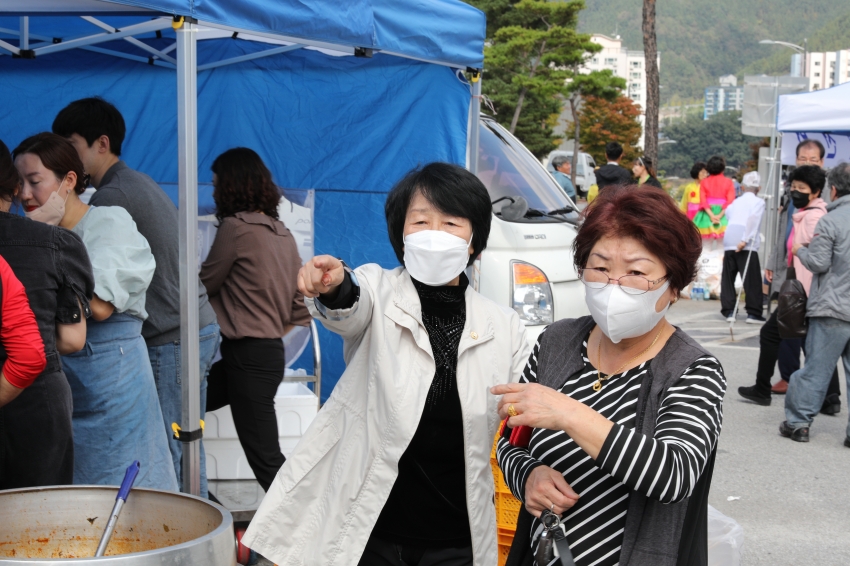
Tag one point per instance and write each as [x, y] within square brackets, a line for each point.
[91, 349]
[606, 428]
[610, 422]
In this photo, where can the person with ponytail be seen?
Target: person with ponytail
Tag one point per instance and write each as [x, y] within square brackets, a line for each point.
[644, 171]
[116, 418]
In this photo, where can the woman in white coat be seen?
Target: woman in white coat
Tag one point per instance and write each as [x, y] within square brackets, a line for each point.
[395, 469]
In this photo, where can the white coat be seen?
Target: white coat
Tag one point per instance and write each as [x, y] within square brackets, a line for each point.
[327, 497]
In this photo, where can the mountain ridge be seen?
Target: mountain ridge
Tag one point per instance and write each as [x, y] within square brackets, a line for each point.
[701, 40]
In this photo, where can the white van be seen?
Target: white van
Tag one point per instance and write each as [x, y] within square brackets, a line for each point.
[586, 165]
[528, 263]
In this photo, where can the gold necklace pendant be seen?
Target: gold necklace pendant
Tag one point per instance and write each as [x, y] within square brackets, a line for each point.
[597, 386]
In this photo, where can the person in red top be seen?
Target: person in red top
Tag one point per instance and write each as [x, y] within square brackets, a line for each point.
[22, 356]
[716, 193]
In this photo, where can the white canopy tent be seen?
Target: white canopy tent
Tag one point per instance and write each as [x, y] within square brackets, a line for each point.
[823, 115]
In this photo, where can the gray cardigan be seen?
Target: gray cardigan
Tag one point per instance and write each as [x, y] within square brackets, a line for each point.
[655, 533]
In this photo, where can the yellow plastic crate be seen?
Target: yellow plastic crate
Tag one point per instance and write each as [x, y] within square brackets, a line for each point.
[507, 507]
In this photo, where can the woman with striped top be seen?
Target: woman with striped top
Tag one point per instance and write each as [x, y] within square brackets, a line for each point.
[625, 408]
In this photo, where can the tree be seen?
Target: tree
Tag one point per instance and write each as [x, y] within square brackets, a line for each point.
[650, 50]
[532, 47]
[604, 121]
[599, 84]
[698, 139]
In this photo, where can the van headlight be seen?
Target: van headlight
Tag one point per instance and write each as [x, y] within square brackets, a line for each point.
[532, 294]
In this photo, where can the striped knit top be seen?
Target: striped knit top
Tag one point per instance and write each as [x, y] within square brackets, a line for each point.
[665, 467]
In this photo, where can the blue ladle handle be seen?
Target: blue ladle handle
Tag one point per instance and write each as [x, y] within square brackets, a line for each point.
[120, 499]
[129, 480]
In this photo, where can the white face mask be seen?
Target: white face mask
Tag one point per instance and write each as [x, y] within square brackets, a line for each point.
[621, 315]
[435, 257]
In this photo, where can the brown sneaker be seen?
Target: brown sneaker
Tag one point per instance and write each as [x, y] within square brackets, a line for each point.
[781, 387]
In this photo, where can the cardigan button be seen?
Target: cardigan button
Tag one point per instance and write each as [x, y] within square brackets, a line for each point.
[473, 335]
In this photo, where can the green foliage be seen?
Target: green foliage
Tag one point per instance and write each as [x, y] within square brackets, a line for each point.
[698, 139]
[531, 47]
[603, 121]
[701, 40]
[601, 84]
[833, 36]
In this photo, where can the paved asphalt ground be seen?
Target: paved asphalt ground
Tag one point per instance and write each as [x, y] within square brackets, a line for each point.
[794, 501]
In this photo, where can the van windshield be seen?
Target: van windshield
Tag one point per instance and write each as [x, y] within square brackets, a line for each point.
[507, 169]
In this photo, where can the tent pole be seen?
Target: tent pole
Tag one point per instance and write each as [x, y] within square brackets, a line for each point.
[475, 124]
[187, 152]
[25, 32]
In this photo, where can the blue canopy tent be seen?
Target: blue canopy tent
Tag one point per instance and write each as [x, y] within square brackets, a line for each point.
[340, 98]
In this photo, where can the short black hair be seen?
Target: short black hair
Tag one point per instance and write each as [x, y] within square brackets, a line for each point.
[716, 165]
[812, 175]
[613, 150]
[91, 118]
[10, 181]
[695, 170]
[810, 143]
[452, 190]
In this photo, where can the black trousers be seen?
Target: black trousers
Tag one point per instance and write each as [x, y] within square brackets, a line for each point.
[36, 436]
[247, 378]
[786, 351]
[382, 553]
[733, 264]
[789, 356]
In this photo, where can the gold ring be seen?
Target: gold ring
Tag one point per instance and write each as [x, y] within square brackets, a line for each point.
[512, 411]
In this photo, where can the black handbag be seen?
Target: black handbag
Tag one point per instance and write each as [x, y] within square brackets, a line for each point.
[791, 312]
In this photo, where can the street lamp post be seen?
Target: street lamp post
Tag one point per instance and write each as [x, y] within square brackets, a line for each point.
[804, 50]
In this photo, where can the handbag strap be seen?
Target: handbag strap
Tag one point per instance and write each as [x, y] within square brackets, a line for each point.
[565, 555]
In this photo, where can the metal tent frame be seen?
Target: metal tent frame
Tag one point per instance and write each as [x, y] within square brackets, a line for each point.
[182, 56]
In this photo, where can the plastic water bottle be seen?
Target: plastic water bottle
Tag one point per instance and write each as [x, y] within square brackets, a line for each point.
[696, 292]
[707, 291]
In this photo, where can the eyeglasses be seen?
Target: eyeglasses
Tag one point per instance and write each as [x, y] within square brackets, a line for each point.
[632, 284]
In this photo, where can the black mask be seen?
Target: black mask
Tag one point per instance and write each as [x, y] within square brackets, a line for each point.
[800, 200]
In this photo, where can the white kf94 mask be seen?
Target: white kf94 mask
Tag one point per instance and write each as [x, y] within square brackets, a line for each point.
[435, 257]
[621, 315]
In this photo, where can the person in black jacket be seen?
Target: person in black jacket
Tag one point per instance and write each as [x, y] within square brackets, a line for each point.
[612, 173]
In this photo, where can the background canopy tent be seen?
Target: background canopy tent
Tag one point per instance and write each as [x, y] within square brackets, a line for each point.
[823, 115]
[341, 98]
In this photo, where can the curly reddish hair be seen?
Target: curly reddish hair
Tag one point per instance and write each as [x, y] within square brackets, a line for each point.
[243, 184]
[649, 216]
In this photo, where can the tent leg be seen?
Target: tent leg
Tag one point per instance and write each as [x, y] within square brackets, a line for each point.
[474, 126]
[25, 32]
[187, 150]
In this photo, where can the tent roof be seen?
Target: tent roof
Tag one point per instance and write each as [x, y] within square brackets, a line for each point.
[448, 32]
[826, 110]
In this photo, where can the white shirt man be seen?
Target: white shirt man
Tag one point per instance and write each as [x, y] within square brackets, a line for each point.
[744, 216]
[741, 239]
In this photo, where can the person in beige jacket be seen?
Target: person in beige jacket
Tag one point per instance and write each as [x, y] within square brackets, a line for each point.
[395, 469]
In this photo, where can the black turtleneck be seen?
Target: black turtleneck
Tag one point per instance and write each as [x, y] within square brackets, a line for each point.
[427, 505]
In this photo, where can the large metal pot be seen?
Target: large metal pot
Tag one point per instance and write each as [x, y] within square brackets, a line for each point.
[62, 525]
